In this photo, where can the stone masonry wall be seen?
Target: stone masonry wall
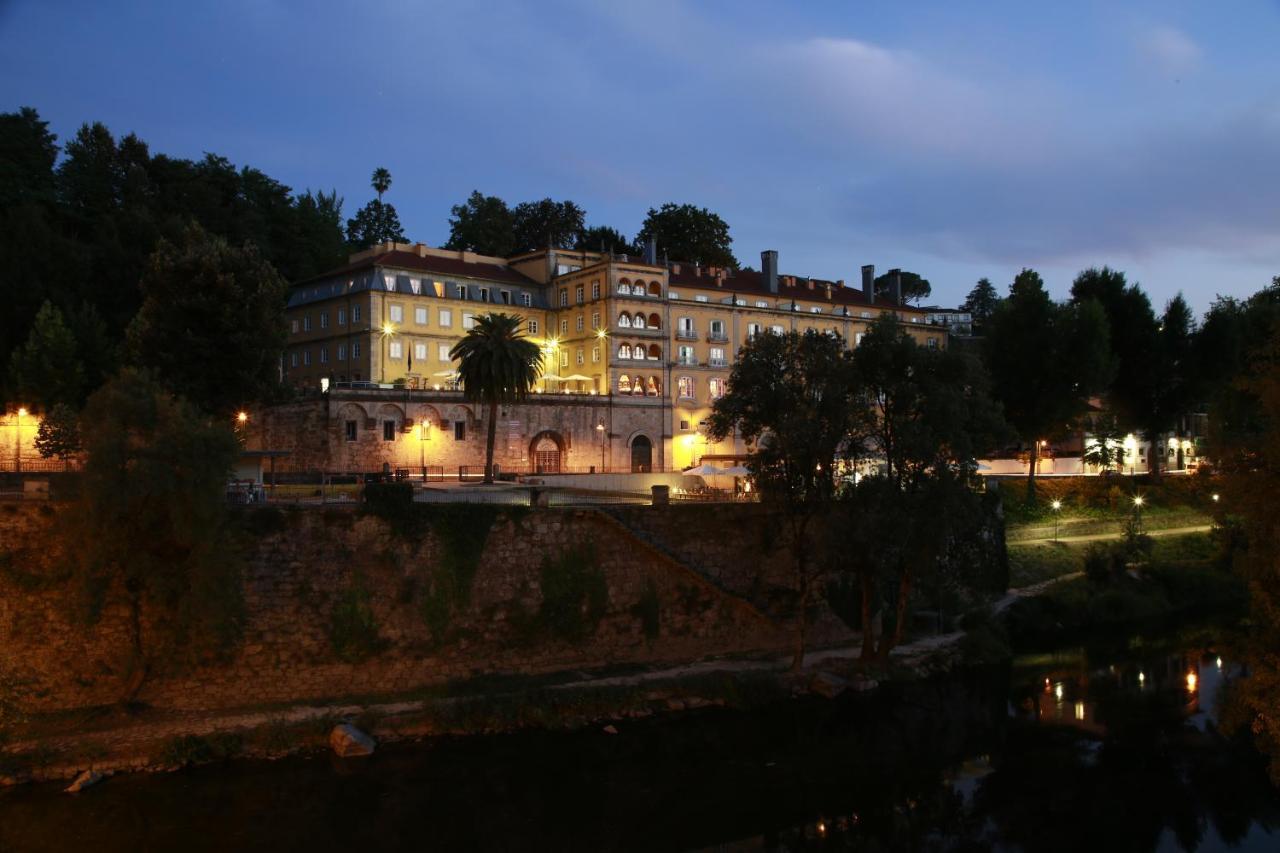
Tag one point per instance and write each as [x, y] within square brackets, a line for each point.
[296, 575]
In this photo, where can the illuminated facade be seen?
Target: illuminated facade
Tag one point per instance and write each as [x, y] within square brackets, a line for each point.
[654, 339]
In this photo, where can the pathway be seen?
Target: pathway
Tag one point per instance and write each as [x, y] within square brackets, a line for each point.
[1102, 537]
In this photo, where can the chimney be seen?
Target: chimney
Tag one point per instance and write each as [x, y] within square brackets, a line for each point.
[895, 276]
[651, 252]
[769, 269]
[869, 283]
[421, 248]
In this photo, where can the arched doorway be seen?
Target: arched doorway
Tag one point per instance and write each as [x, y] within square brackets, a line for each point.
[641, 455]
[546, 450]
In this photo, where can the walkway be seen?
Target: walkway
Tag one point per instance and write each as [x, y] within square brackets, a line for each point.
[1102, 537]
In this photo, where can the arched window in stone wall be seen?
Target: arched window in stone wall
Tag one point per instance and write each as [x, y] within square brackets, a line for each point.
[638, 322]
[655, 352]
[624, 320]
[655, 322]
[655, 386]
[624, 351]
[655, 289]
[624, 384]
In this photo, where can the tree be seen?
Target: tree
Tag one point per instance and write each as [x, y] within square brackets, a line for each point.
[59, 433]
[689, 233]
[496, 364]
[1045, 360]
[981, 302]
[377, 221]
[1170, 386]
[152, 528]
[547, 224]
[211, 322]
[482, 224]
[602, 238]
[932, 414]
[46, 370]
[1104, 448]
[794, 398]
[914, 288]
[1133, 336]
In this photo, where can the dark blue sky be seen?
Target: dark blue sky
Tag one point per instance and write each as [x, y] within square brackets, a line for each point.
[954, 142]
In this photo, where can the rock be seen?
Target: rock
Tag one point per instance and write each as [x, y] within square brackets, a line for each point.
[349, 742]
[84, 780]
[828, 684]
[610, 730]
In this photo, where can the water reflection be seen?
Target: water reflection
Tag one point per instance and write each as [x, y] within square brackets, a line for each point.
[1072, 751]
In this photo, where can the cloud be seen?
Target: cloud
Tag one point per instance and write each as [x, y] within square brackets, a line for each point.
[1171, 51]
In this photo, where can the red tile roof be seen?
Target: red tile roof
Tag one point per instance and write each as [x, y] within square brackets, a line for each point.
[752, 282]
[434, 264]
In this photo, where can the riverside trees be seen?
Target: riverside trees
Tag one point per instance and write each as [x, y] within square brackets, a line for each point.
[815, 412]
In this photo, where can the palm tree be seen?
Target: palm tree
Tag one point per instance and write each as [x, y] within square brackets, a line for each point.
[381, 181]
[497, 364]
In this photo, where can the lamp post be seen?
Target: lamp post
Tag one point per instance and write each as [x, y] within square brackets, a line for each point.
[600, 429]
[1137, 512]
[17, 444]
[387, 331]
[422, 447]
[1057, 507]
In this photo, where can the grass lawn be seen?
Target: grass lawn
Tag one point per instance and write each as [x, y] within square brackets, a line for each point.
[1031, 564]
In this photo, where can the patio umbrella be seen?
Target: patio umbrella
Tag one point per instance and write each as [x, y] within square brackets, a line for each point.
[738, 471]
[446, 373]
[577, 377]
[706, 469]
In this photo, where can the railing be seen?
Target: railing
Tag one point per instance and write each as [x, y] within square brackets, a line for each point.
[686, 335]
[687, 362]
[39, 466]
[718, 338]
[717, 362]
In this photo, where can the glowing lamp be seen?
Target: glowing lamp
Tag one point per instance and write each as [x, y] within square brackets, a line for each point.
[1137, 500]
[242, 417]
[22, 412]
[1192, 681]
[1057, 505]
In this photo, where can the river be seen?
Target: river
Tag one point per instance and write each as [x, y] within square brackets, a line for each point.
[1075, 750]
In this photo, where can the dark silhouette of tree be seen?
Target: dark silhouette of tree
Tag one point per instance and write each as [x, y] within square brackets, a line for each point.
[602, 238]
[547, 224]
[497, 364]
[212, 322]
[482, 224]
[59, 433]
[981, 303]
[689, 233]
[376, 222]
[46, 370]
[914, 288]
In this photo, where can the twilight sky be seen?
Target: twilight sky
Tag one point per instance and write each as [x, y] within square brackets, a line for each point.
[929, 136]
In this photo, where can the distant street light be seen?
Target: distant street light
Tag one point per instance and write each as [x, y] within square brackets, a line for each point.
[1057, 507]
[600, 429]
[1137, 512]
[242, 417]
[17, 444]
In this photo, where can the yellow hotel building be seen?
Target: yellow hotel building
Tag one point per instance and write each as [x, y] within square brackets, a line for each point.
[653, 340]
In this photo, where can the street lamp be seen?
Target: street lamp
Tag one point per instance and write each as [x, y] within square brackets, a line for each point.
[601, 431]
[1057, 507]
[17, 444]
[242, 417]
[423, 438]
[1137, 511]
[387, 331]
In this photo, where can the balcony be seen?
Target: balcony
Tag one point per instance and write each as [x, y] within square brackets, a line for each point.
[686, 334]
[717, 362]
[718, 338]
[687, 361]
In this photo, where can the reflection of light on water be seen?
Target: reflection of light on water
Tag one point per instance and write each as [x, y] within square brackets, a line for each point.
[1057, 691]
[1192, 680]
[1079, 710]
[1142, 678]
[1218, 662]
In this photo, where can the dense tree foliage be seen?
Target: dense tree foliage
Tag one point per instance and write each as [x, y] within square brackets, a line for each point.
[547, 224]
[46, 369]
[1045, 359]
[59, 433]
[602, 238]
[152, 527]
[981, 303]
[483, 224]
[689, 233]
[212, 321]
[497, 364]
[78, 233]
[914, 288]
[376, 222]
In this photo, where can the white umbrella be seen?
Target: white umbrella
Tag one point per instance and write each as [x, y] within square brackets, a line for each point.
[738, 471]
[577, 377]
[706, 469]
[551, 376]
[446, 373]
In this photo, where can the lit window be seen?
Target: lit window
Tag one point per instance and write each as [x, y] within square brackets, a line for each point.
[777, 330]
[715, 387]
[624, 321]
[595, 319]
[415, 285]
[446, 318]
[581, 355]
[716, 356]
[578, 323]
[395, 350]
[389, 282]
[420, 352]
[442, 352]
[420, 316]
[533, 327]
[564, 358]
[638, 322]
[624, 351]
[397, 313]
[468, 320]
[760, 303]
[595, 355]
[624, 384]
[564, 327]
[700, 298]
[685, 387]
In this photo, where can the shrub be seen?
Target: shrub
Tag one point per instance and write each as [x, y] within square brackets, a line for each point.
[574, 594]
[353, 630]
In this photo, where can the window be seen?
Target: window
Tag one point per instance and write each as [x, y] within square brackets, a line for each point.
[578, 323]
[595, 290]
[526, 299]
[306, 323]
[389, 282]
[932, 343]
[655, 386]
[564, 297]
[866, 315]
[306, 358]
[293, 327]
[777, 330]
[671, 294]
[715, 388]
[624, 289]
[595, 355]
[577, 294]
[684, 425]
[754, 329]
[355, 349]
[396, 350]
[564, 328]
[595, 319]
[293, 359]
[624, 351]
[685, 327]
[468, 320]
[686, 356]
[459, 430]
[716, 357]
[624, 384]
[442, 352]
[355, 313]
[624, 321]
[388, 430]
[685, 387]
[342, 316]
[506, 297]
[700, 298]
[533, 327]
[760, 303]
[581, 355]
[350, 429]
[445, 317]
[397, 313]
[638, 322]
[420, 316]
[564, 358]
[461, 290]
[484, 294]
[415, 285]
[717, 330]
[324, 319]
[324, 355]
[857, 339]
[420, 352]
[342, 352]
